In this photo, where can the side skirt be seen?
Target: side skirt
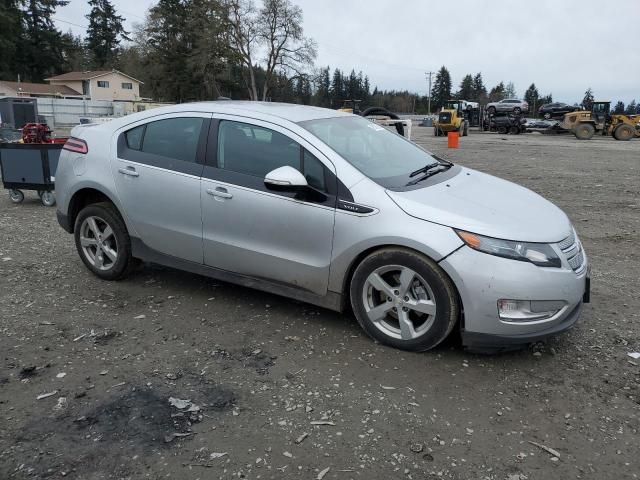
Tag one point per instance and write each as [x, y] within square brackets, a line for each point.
[331, 301]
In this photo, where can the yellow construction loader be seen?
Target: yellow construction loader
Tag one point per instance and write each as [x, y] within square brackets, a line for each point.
[453, 117]
[584, 124]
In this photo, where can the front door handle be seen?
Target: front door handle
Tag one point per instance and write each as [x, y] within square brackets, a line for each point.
[219, 192]
[129, 171]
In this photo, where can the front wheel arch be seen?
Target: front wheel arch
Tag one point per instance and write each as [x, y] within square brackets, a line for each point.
[346, 283]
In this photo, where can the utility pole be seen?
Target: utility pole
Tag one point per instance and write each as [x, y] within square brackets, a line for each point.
[428, 75]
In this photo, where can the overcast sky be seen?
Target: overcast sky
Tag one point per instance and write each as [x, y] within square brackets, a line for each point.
[563, 46]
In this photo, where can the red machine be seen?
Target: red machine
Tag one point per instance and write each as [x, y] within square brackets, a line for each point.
[39, 133]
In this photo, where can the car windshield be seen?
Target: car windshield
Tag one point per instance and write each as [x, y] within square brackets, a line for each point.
[384, 156]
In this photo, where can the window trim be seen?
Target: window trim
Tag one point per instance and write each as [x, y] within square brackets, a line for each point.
[167, 163]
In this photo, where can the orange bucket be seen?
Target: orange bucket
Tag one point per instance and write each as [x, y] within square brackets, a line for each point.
[453, 140]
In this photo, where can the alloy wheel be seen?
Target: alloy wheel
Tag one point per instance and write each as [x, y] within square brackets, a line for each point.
[399, 302]
[99, 244]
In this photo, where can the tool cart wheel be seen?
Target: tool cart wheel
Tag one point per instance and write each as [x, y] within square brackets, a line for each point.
[16, 196]
[48, 199]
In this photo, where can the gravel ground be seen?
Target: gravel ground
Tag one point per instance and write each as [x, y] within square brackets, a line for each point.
[173, 375]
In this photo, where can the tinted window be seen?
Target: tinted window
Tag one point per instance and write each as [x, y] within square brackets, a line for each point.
[253, 150]
[314, 172]
[134, 137]
[175, 138]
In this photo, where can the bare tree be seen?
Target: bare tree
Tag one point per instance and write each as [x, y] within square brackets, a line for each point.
[244, 33]
[287, 48]
[276, 31]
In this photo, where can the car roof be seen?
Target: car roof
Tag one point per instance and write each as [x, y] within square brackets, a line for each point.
[268, 111]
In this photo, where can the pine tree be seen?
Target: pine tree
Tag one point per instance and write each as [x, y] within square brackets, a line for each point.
[337, 87]
[619, 108]
[631, 108]
[587, 101]
[104, 33]
[352, 86]
[41, 49]
[466, 91]
[532, 97]
[497, 93]
[479, 90]
[11, 34]
[441, 91]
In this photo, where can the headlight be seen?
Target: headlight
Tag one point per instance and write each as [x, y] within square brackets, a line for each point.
[540, 254]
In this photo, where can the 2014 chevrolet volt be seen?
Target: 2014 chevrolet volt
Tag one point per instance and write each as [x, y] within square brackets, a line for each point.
[328, 208]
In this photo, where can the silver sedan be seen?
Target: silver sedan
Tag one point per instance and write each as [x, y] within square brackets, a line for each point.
[328, 208]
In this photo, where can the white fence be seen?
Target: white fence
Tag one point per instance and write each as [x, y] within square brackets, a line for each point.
[62, 111]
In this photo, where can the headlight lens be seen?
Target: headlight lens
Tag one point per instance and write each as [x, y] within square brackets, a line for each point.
[540, 254]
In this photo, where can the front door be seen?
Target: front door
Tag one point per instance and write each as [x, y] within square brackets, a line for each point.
[280, 236]
[157, 173]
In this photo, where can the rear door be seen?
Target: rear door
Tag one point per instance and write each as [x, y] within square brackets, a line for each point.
[249, 229]
[157, 173]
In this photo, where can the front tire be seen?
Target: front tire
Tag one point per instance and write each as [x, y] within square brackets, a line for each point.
[103, 242]
[16, 196]
[403, 299]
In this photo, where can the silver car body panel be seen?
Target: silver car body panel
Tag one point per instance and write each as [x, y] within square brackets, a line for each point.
[307, 251]
[487, 205]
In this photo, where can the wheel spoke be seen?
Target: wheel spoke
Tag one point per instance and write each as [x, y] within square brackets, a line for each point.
[108, 232]
[406, 279]
[380, 312]
[422, 306]
[111, 254]
[407, 330]
[88, 242]
[99, 259]
[379, 284]
[93, 226]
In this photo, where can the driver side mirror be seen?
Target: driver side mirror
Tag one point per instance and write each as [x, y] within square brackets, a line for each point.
[285, 179]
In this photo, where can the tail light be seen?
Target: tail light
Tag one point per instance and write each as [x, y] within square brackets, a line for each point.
[76, 145]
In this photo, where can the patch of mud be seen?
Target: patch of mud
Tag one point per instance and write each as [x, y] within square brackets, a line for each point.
[256, 359]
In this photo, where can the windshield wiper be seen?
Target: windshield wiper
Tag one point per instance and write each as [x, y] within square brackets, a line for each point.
[429, 166]
[429, 171]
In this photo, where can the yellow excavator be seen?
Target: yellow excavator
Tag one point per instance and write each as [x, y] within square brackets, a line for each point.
[584, 123]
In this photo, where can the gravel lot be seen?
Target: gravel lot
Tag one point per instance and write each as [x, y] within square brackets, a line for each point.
[259, 370]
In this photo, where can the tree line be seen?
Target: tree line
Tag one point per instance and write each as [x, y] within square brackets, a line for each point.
[189, 50]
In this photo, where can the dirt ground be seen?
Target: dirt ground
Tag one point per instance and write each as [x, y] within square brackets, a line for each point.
[278, 389]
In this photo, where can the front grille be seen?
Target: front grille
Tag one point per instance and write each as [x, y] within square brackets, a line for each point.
[572, 249]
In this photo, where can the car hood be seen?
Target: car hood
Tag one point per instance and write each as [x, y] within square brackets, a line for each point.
[486, 205]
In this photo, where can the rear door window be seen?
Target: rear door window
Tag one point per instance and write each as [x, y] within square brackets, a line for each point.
[175, 138]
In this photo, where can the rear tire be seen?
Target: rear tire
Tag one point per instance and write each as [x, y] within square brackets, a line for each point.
[584, 131]
[491, 110]
[514, 130]
[624, 132]
[103, 242]
[403, 299]
[465, 132]
[517, 110]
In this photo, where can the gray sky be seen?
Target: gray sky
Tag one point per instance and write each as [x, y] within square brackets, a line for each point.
[564, 46]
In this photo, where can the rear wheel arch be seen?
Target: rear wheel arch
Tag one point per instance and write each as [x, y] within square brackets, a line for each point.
[84, 197]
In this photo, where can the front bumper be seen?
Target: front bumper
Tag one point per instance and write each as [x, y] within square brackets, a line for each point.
[483, 279]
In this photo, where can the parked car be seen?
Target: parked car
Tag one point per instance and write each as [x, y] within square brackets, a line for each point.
[555, 110]
[328, 208]
[508, 105]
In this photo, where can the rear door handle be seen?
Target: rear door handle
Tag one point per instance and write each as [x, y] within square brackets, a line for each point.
[129, 171]
[219, 192]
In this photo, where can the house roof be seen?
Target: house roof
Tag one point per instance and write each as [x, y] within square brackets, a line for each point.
[87, 75]
[41, 88]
